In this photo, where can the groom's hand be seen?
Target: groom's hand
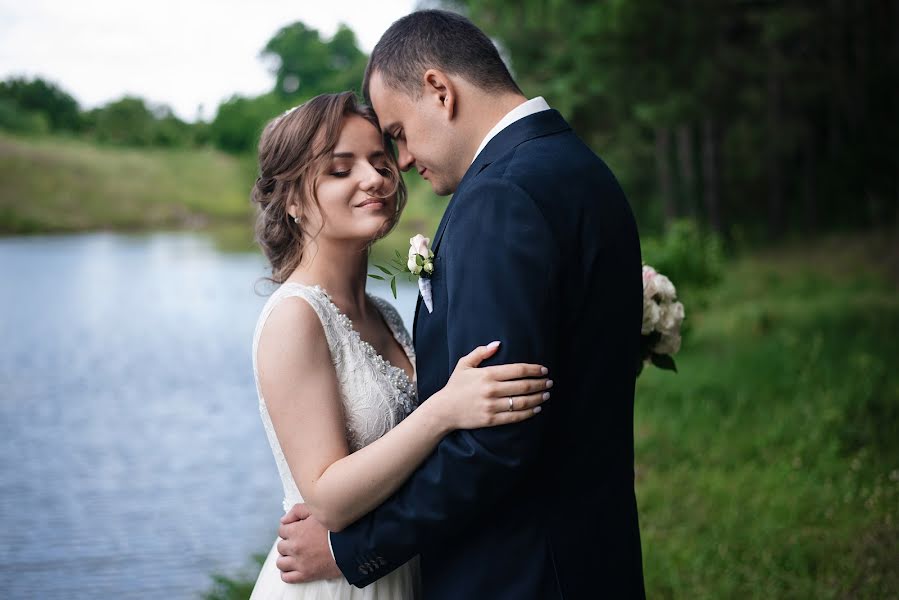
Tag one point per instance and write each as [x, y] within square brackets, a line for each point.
[304, 549]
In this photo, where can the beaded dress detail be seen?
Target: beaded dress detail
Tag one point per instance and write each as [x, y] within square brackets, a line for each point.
[376, 396]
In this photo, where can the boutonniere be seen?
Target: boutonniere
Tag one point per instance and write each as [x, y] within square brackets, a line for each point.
[419, 263]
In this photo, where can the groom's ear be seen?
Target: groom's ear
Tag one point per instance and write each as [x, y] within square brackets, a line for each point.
[441, 91]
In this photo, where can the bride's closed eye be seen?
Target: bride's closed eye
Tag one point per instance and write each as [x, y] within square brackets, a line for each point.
[385, 171]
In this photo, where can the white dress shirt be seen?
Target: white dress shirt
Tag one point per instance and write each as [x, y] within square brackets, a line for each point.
[525, 109]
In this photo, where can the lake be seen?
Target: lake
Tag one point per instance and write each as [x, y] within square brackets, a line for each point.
[134, 463]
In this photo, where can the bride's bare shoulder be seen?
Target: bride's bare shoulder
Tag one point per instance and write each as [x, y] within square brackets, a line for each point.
[292, 333]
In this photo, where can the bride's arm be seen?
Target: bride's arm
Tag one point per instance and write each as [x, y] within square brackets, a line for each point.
[302, 396]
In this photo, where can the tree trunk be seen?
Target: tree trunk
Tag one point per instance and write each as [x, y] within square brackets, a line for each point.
[710, 173]
[687, 169]
[810, 185]
[663, 169]
[773, 157]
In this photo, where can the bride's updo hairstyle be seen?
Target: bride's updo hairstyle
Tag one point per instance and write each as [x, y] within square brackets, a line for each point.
[294, 150]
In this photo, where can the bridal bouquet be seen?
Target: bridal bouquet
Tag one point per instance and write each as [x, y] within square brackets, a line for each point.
[662, 318]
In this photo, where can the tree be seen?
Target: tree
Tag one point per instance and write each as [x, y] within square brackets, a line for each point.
[127, 122]
[40, 97]
[304, 65]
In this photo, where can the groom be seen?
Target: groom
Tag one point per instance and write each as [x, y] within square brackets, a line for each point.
[538, 248]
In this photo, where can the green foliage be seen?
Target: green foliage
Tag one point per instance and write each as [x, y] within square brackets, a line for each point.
[305, 65]
[766, 468]
[16, 120]
[37, 99]
[131, 122]
[236, 588]
[126, 122]
[687, 255]
[239, 121]
[225, 588]
[766, 115]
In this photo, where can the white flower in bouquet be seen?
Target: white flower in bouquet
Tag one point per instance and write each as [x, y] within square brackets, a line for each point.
[670, 319]
[662, 319]
[651, 315]
[665, 288]
[668, 344]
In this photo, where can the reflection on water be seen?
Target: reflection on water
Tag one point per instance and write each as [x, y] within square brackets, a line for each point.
[133, 459]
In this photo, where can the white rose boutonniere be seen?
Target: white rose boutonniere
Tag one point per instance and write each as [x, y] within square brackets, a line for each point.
[419, 263]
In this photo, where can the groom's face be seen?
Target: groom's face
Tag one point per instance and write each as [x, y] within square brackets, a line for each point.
[423, 137]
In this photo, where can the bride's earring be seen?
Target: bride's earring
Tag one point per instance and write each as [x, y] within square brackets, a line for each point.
[296, 220]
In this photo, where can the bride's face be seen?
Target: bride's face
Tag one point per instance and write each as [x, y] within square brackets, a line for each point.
[352, 187]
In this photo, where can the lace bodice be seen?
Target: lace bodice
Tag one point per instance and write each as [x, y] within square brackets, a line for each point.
[376, 395]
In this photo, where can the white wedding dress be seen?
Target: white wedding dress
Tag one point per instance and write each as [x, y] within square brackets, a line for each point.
[376, 396]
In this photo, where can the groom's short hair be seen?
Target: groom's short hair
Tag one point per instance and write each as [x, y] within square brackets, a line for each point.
[436, 39]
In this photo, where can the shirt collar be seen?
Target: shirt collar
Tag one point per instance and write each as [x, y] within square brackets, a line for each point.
[525, 109]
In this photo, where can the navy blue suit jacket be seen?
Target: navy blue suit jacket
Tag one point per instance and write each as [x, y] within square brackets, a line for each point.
[538, 248]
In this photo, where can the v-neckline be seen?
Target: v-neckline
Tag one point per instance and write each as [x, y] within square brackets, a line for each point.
[366, 346]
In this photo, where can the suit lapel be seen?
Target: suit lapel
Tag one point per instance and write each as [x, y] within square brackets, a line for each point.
[533, 126]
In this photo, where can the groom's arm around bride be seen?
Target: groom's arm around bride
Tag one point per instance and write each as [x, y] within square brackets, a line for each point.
[538, 249]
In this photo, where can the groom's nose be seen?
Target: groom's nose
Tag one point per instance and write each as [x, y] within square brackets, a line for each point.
[404, 158]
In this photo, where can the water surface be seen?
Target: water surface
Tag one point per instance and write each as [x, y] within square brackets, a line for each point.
[133, 460]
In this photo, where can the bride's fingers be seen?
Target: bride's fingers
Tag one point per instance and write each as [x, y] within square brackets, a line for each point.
[520, 387]
[515, 371]
[478, 355]
[516, 416]
[520, 403]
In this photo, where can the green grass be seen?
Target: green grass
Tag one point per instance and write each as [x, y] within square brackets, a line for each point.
[55, 184]
[769, 466]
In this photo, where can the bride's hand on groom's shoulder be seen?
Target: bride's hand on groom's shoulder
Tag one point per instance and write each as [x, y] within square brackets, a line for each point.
[304, 548]
[476, 397]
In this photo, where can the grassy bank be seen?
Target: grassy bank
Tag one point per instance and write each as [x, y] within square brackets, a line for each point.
[767, 468]
[54, 184]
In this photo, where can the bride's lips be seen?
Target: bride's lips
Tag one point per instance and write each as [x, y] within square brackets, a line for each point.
[372, 203]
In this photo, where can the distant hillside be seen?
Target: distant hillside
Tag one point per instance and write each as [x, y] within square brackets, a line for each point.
[56, 184]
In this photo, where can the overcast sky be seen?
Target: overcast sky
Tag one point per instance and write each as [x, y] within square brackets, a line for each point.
[183, 53]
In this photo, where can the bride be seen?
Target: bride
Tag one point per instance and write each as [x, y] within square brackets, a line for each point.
[334, 366]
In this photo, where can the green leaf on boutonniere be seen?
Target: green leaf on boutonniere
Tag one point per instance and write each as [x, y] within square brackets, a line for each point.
[393, 287]
[384, 270]
[664, 361]
[419, 260]
[378, 277]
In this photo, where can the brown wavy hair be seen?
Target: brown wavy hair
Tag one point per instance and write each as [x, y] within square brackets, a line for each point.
[294, 150]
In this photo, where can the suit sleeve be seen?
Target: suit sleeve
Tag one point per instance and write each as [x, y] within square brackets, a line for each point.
[500, 261]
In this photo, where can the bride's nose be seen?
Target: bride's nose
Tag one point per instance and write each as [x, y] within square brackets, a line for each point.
[372, 180]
